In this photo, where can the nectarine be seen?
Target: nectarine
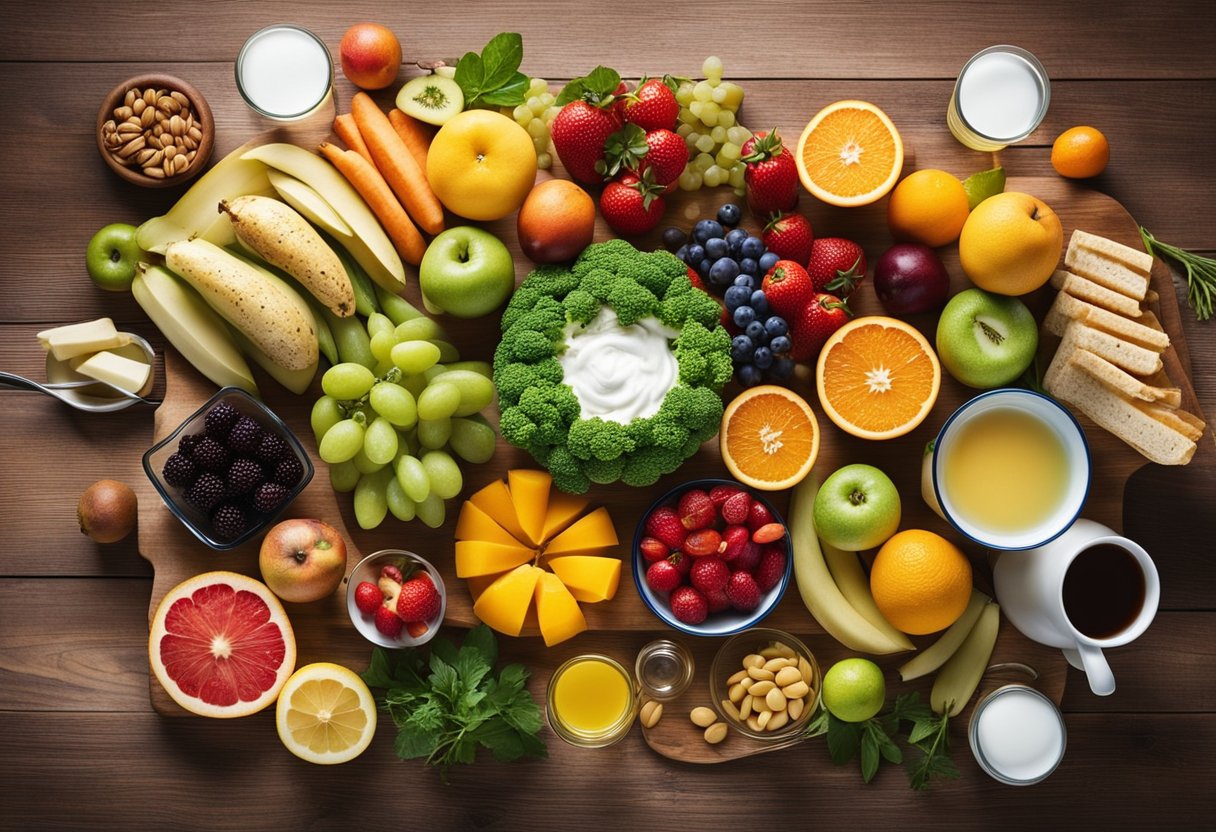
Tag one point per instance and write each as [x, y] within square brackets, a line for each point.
[556, 222]
[370, 56]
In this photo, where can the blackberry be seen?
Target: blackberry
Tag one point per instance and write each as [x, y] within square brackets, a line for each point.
[220, 419]
[209, 454]
[288, 472]
[244, 475]
[186, 444]
[207, 490]
[245, 436]
[272, 448]
[269, 496]
[229, 522]
[179, 470]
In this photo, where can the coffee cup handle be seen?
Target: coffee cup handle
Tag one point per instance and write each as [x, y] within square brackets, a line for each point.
[1097, 669]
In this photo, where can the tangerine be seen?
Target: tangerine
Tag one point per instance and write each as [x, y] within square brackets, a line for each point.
[1080, 152]
[921, 582]
[929, 207]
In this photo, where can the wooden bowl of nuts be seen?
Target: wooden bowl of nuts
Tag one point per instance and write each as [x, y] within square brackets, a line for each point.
[155, 130]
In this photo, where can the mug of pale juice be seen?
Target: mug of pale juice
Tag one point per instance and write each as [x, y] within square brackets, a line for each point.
[1011, 469]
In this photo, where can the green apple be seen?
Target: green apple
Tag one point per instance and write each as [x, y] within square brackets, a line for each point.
[112, 256]
[986, 340]
[466, 272]
[857, 508]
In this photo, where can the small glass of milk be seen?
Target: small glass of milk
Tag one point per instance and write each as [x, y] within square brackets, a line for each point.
[1000, 98]
[284, 72]
[1017, 735]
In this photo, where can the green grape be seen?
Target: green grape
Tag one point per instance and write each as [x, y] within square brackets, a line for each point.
[407, 442]
[701, 162]
[438, 401]
[695, 108]
[719, 94]
[476, 391]
[547, 98]
[435, 371]
[447, 350]
[551, 113]
[472, 440]
[341, 442]
[419, 329]
[684, 131]
[434, 433]
[382, 344]
[692, 138]
[401, 506]
[728, 154]
[727, 118]
[541, 143]
[395, 403]
[413, 357]
[413, 478]
[688, 117]
[415, 384]
[371, 499]
[382, 368]
[522, 115]
[712, 67]
[482, 367]
[684, 93]
[538, 86]
[718, 134]
[380, 441]
[344, 476]
[714, 176]
[325, 414]
[738, 134]
[431, 511]
[443, 474]
[347, 381]
[734, 96]
[737, 174]
[363, 463]
[537, 127]
[705, 143]
[702, 92]
[379, 322]
[690, 179]
[544, 160]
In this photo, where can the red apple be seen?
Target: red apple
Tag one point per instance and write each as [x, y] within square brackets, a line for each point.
[370, 56]
[302, 560]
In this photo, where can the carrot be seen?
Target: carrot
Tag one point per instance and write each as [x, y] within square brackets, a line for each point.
[396, 164]
[416, 134]
[348, 132]
[365, 179]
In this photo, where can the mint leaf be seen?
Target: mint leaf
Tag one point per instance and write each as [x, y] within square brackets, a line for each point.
[481, 638]
[493, 77]
[444, 649]
[470, 75]
[844, 738]
[869, 755]
[378, 673]
[501, 59]
[511, 94]
[471, 667]
[596, 88]
[410, 745]
[602, 80]
[921, 729]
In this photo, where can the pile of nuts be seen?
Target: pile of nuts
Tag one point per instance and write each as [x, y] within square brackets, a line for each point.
[155, 131]
[772, 690]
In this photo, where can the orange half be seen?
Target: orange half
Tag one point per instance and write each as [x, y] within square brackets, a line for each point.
[850, 154]
[877, 377]
[769, 438]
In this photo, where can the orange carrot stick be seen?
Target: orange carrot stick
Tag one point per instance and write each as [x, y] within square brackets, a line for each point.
[363, 175]
[396, 164]
[348, 132]
[416, 134]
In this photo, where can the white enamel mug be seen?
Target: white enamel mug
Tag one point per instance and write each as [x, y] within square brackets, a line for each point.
[1030, 589]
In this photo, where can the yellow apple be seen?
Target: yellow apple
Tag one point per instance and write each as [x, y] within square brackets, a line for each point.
[1010, 244]
[481, 165]
[302, 560]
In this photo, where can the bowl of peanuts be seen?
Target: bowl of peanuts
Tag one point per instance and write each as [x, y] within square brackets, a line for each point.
[155, 130]
[765, 684]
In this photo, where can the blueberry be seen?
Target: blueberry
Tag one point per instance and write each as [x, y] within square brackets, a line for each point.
[741, 348]
[762, 358]
[749, 376]
[673, 238]
[695, 253]
[682, 252]
[776, 325]
[735, 239]
[730, 214]
[760, 303]
[746, 280]
[755, 331]
[703, 268]
[723, 272]
[752, 247]
[783, 367]
[780, 344]
[749, 266]
[737, 296]
[702, 231]
[767, 261]
[715, 247]
[744, 315]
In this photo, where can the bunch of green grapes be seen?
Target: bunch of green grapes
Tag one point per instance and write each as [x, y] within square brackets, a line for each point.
[392, 435]
[709, 124]
[535, 115]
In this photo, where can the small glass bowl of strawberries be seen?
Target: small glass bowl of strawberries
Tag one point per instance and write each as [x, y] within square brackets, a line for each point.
[711, 557]
[396, 599]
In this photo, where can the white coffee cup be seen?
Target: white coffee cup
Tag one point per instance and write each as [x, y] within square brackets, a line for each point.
[1030, 589]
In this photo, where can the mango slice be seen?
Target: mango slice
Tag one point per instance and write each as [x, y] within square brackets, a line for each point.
[557, 610]
[504, 604]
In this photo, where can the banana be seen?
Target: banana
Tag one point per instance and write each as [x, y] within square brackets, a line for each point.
[310, 204]
[854, 585]
[325, 335]
[927, 492]
[819, 592]
[960, 676]
[947, 643]
[369, 245]
[192, 327]
[297, 381]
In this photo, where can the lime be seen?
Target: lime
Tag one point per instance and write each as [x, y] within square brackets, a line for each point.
[854, 690]
[980, 186]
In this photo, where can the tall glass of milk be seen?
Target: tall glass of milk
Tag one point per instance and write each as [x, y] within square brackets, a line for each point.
[999, 99]
[1017, 735]
[284, 72]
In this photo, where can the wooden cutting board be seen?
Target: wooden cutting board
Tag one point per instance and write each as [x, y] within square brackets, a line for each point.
[323, 630]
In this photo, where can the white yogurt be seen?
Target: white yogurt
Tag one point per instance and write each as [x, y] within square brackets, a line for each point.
[1017, 735]
[619, 373]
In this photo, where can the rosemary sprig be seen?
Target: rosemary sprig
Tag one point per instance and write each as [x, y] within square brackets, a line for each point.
[1200, 273]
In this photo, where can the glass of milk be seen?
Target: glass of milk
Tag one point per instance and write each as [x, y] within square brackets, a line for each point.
[999, 99]
[284, 72]
[1017, 735]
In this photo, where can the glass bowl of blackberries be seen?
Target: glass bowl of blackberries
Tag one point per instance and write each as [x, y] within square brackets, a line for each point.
[229, 470]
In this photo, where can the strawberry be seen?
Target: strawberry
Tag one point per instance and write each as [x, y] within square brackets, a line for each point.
[388, 622]
[703, 542]
[836, 265]
[689, 605]
[652, 105]
[748, 557]
[758, 515]
[769, 533]
[368, 597]
[709, 574]
[696, 510]
[418, 600]
[771, 175]
[653, 549]
[667, 156]
[787, 288]
[663, 576]
[588, 116]
[743, 592]
[789, 236]
[719, 494]
[682, 562]
[664, 525]
[735, 508]
[416, 629]
[632, 206]
[811, 328]
[717, 600]
[735, 538]
[392, 572]
[770, 569]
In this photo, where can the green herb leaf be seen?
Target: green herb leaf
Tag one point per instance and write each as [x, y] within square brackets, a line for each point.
[818, 726]
[869, 755]
[844, 738]
[1200, 273]
[501, 59]
[470, 75]
[921, 729]
[511, 94]
[596, 88]
[481, 639]
[493, 77]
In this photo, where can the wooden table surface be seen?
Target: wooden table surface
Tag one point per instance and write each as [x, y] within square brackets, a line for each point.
[79, 742]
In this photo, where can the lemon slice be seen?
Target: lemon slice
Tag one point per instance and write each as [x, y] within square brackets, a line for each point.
[326, 714]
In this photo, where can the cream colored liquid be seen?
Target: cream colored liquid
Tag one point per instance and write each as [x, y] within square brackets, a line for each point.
[284, 72]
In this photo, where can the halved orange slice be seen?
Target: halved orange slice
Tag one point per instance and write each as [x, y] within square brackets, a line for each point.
[877, 377]
[850, 154]
[769, 438]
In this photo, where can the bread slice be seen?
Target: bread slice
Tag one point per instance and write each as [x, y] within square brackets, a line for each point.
[1131, 357]
[1087, 290]
[1109, 264]
[1124, 382]
[1067, 308]
[1133, 258]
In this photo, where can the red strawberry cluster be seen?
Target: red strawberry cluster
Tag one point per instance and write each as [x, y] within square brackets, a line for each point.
[398, 601]
[713, 551]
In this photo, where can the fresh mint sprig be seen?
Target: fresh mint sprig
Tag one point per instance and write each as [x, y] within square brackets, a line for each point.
[493, 79]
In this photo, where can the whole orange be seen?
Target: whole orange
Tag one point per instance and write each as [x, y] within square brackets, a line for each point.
[929, 207]
[921, 582]
[370, 55]
[1080, 152]
[556, 222]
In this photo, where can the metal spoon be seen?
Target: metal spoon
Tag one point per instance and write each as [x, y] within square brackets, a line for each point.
[72, 392]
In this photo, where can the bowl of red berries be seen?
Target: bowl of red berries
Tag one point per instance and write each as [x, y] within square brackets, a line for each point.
[229, 470]
[396, 599]
[711, 558]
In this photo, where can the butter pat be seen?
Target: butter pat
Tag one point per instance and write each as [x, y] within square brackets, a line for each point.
[115, 369]
[66, 342]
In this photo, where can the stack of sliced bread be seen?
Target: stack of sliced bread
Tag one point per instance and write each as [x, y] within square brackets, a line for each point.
[1108, 364]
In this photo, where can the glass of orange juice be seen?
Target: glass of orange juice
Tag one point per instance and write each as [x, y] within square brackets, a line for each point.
[592, 701]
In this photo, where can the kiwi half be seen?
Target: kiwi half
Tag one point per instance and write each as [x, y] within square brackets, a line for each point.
[431, 98]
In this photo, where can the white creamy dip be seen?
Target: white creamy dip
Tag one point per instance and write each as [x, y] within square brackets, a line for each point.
[619, 373]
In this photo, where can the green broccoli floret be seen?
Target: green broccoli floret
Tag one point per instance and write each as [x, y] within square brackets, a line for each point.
[581, 306]
[683, 302]
[568, 472]
[632, 302]
[550, 280]
[608, 256]
[547, 317]
[604, 471]
[514, 378]
[599, 439]
[648, 464]
[523, 344]
[703, 355]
